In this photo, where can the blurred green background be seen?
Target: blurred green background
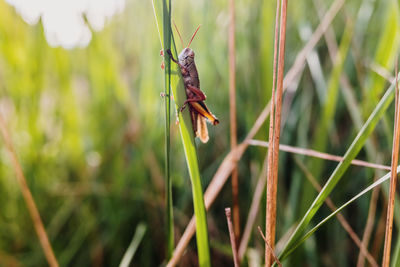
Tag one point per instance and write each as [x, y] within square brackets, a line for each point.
[88, 128]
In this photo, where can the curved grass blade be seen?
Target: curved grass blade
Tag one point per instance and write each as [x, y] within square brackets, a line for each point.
[333, 214]
[133, 246]
[337, 174]
[186, 130]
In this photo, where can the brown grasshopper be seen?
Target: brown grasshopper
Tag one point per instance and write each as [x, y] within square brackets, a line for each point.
[195, 97]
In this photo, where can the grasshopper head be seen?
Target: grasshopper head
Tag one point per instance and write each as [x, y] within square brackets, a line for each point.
[186, 55]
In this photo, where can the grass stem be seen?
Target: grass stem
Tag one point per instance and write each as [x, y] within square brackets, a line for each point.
[167, 105]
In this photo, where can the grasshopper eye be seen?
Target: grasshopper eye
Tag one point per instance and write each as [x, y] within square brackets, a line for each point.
[191, 54]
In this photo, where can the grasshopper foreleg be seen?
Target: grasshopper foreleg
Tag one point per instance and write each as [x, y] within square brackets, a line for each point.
[184, 70]
[172, 57]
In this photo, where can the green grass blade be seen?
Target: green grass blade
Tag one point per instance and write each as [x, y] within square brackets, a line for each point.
[165, 9]
[333, 214]
[337, 174]
[133, 246]
[186, 130]
[167, 105]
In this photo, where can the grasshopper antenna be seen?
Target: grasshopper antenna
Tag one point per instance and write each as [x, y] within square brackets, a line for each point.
[176, 28]
[194, 34]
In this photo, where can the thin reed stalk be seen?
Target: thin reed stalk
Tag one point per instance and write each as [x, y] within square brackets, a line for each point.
[272, 182]
[232, 237]
[393, 178]
[269, 247]
[232, 110]
[270, 153]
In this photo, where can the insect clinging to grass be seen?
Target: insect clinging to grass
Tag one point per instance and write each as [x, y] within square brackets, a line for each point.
[199, 112]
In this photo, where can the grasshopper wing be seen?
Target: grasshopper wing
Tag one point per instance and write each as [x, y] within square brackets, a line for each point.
[202, 131]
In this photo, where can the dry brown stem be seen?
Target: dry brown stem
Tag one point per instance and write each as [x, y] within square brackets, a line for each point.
[320, 155]
[26, 193]
[270, 165]
[393, 179]
[273, 154]
[232, 109]
[232, 237]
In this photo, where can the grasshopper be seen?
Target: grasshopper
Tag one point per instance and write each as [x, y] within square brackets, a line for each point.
[199, 112]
